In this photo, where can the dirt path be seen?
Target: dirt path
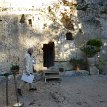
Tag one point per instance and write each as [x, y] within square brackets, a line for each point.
[80, 91]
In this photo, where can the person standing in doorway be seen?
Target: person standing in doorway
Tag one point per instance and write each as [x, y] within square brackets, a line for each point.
[28, 69]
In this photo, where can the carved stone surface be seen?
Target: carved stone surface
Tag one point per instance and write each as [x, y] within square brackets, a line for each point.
[46, 25]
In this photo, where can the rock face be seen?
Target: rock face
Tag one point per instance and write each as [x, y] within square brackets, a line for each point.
[32, 26]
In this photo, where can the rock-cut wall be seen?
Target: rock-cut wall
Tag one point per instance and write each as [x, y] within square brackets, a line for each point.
[22, 27]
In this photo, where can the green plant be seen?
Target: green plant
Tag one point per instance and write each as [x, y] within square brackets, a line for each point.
[92, 47]
[77, 63]
[94, 42]
[15, 67]
[89, 50]
[100, 65]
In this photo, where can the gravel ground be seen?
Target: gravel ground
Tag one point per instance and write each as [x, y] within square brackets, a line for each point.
[78, 91]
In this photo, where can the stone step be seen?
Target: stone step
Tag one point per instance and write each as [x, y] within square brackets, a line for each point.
[50, 71]
[51, 75]
[53, 79]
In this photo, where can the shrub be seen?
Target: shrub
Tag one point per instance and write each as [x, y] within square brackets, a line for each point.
[15, 67]
[94, 42]
[77, 63]
[100, 65]
[89, 50]
[92, 47]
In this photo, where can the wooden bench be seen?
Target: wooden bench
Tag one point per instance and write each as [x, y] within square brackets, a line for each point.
[51, 75]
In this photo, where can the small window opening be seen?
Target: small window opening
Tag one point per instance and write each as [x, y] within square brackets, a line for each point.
[30, 22]
[22, 20]
[69, 36]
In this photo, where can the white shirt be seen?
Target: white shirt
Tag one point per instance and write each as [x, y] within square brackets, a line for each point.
[28, 63]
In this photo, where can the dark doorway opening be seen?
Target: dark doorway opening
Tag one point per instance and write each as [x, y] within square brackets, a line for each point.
[48, 54]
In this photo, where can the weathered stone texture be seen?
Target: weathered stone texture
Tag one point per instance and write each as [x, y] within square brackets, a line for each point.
[39, 26]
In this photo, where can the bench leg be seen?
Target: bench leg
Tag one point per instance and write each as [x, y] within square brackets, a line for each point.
[45, 80]
[7, 103]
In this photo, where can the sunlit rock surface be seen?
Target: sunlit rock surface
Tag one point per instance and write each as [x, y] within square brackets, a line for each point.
[33, 23]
